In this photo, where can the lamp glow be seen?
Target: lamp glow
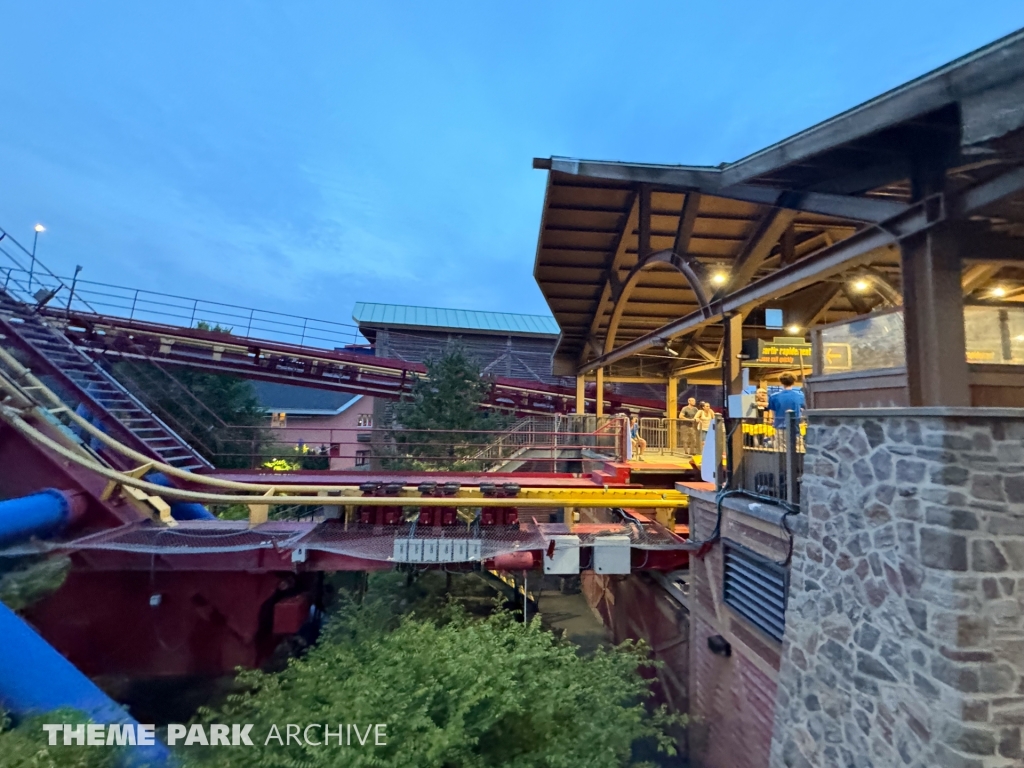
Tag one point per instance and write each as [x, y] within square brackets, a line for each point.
[999, 291]
[40, 228]
[794, 329]
[861, 285]
[719, 278]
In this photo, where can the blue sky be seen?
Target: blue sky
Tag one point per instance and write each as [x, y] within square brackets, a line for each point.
[302, 156]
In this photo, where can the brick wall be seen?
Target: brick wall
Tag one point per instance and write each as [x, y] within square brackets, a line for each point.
[732, 698]
[904, 639]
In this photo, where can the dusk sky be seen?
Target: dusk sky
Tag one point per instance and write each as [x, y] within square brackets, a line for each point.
[302, 156]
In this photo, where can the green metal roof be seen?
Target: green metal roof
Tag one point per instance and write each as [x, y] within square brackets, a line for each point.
[397, 315]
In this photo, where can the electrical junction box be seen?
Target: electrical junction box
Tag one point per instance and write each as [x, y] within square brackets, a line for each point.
[401, 552]
[415, 550]
[742, 407]
[612, 554]
[444, 551]
[436, 550]
[564, 558]
[459, 551]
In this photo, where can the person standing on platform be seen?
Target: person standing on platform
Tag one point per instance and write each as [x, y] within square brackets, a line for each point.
[639, 444]
[788, 399]
[704, 418]
[689, 434]
[761, 404]
[689, 411]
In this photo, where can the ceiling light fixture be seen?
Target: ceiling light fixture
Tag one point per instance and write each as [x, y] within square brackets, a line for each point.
[999, 292]
[794, 329]
[719, 278]
[861, 285]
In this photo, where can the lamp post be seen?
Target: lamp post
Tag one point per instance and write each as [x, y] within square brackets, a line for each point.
[74, 282]
[32, 265]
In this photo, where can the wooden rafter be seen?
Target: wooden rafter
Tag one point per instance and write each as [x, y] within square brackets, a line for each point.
[760, 244]
[610, 281]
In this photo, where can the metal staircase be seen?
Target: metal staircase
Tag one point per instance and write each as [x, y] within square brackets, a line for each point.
[50, 352]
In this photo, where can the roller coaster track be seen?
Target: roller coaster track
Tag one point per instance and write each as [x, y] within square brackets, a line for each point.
[112, 337]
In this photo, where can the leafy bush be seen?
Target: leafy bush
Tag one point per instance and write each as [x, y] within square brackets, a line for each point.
[456, 692]
[26, 746]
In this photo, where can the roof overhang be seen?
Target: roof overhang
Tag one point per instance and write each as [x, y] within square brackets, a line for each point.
[785, 224]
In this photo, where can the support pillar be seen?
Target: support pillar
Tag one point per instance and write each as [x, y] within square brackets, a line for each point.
[732, 372]
[933, 308]
[599, 407]
[672, 409]
[581, 394]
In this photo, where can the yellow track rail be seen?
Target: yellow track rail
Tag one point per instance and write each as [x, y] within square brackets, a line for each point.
[18, 387]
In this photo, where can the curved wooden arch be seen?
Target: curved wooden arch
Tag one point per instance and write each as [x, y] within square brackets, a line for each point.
[688, 266]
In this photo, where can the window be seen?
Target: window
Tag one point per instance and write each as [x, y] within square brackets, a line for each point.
[362, 458]
[756, 588]
[365, 420]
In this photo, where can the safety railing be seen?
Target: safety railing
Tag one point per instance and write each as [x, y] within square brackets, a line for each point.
[773, 458]
[544, 442]
[671, 437]
[522, 435]
[71, 295]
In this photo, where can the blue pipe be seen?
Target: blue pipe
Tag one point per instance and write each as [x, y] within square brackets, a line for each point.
[35, 679]
[36, 515]
[181, 510]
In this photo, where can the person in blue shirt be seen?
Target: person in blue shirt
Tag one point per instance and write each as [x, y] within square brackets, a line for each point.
[639, 444]
[788, 399]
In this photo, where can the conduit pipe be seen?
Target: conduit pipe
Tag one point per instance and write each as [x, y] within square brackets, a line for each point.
[181, 510]
[39, 514]
[35, 680]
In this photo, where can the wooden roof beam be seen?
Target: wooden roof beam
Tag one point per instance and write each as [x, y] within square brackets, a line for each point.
[764, 238]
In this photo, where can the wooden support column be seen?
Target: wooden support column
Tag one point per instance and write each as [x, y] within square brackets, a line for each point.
[581, 394]
[672, 409]
[732, 372]
[933, 308]
[599, 409]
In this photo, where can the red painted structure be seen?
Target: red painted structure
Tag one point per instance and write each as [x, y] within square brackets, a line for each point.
[293, 364]
[166, 609]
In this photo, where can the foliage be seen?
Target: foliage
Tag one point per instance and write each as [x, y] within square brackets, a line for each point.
[32, 582]
[219, 415]
[232, 512]
[442, 419]
[203, 325]
[25, 746]
[456, 692]
[280, 465]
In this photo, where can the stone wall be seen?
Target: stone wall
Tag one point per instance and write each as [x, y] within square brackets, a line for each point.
[904, 636]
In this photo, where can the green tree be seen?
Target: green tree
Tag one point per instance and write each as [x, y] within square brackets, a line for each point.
[442, 419]
[457, 692]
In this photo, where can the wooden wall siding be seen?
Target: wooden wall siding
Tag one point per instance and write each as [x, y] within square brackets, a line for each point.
[513, 357]
[635, 608]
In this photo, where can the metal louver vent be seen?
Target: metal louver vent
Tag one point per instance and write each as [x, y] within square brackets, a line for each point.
[756, 588]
